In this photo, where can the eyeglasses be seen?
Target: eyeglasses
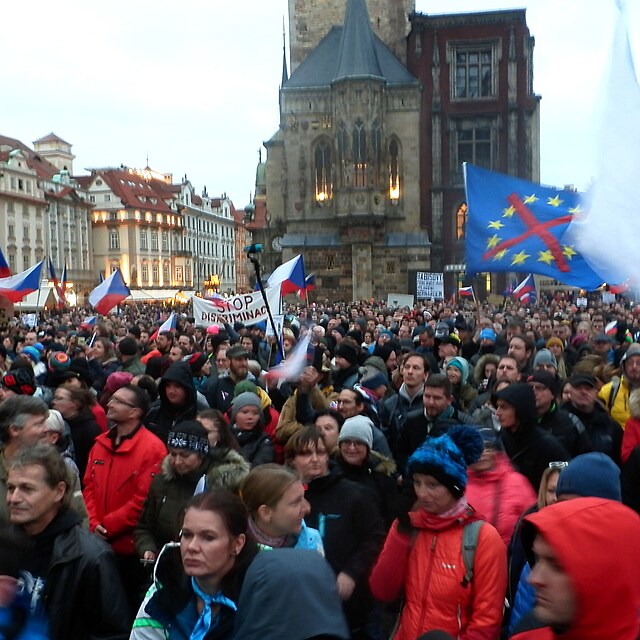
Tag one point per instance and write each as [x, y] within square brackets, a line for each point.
[352, 443]
[117, 400]
[558, 464]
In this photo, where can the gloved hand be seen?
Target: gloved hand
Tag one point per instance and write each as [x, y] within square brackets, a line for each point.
[406, 503]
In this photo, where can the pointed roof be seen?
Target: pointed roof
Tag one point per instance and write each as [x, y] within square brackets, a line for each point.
[51, 137]
[358, 55]
[349, 52]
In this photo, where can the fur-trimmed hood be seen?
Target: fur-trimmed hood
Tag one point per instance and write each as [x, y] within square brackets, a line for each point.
[634, 404]
[223, 468]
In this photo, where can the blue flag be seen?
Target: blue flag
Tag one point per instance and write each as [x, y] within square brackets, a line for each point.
[515, 225]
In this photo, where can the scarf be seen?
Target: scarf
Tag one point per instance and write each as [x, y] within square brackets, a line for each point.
[206, 621]
[460, 513]
[263, 539]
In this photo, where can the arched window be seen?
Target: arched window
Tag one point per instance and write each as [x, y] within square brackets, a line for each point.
[359, 153]
[376, 151]
[323, 172]
[394, 171]
[461, 221]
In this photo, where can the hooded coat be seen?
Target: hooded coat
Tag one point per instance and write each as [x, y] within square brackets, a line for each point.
[500, 496]
[529, 447]
[279, 578]
[169, 493]
[597, 542]
[163, 414]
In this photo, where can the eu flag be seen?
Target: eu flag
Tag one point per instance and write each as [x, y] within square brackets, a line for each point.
[515, 225]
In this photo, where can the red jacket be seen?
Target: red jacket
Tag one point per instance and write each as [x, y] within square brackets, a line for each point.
[428, 570]
[500, 496]
[116, 484]
[597, 542]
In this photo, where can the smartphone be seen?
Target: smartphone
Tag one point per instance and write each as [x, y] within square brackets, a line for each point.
[81, 341]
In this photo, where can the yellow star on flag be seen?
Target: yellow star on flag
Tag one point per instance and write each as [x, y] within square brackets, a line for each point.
[495, 224]
[554, 202]
[493, 241]
[569, 252]
[520, 258]
[575, 210]
[501, 254]
[545, 256]
[530, 199]
[508, 212]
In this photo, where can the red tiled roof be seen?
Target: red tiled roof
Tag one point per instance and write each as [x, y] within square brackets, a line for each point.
[136, 192]
[259, 216]
[43, 168]
[196, 199]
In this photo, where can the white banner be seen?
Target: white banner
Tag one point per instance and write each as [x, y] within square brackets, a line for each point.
[429, 285]
[247, 308]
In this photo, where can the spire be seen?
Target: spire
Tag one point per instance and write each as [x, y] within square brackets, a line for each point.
[357, 57]
[285, 73]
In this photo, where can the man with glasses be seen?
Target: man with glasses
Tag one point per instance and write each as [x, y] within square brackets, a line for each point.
[122, 463]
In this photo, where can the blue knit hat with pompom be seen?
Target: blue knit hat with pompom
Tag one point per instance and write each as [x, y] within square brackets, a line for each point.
[446, 457]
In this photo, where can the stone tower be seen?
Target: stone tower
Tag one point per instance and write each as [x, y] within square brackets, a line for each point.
[311, 20]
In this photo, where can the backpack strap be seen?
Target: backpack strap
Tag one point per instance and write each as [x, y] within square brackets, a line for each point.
[613, 392]
[470, 534]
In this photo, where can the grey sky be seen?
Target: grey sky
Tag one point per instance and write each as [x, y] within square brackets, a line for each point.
[195, 84]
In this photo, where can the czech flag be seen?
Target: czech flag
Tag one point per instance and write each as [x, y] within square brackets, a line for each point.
[290, 276]
[63, 286]
[88, 323]
[5, 272]
[292, 366]
[168, 325]
[15, 288]
[58, 287]
[109, 293]
[466, 292]
[526, 290]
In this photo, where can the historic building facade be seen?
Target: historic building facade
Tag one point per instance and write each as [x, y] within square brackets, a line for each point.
[478, 106]
[342, 171]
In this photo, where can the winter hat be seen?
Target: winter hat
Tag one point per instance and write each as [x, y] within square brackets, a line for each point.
[32, 353]
[189, 435]
[554, 342]
[521, 397]
[583, 379]
[213, 330]
[347, 352]
[358, 428]
[55, 421]
[446, 457]
[544, 357]
[633, 350]
[128, 346]
[20, 381]
[340, 329]
[545, 378]
[39, 346]
[488, 334]
[116, 380]
[591, 475]
[384, 351]
[243, 386]
[237, 351]
[462, 365]
[79, 368]
[388, 333]
[372, 382]
[196, 361]
[59, 362]
[245, 399]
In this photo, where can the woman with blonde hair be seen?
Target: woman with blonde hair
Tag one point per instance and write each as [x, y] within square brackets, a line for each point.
[274, 497]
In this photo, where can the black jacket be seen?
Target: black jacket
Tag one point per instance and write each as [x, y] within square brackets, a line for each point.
[418, 428]
[83, 595]
[84, 431]
[529, 448]
[255, 446]
[605, 434]
[163, 414]
[568, 429]
[352, 532]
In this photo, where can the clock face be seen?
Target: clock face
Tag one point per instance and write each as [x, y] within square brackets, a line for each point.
[277, 244]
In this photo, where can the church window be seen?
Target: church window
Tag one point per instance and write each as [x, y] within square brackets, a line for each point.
[343, 143]
[474, 145]
[394, 171]
[474, 71]
[376, 148]
[323, 172]
[359, 153]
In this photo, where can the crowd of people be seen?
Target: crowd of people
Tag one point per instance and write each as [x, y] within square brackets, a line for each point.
[443, 471]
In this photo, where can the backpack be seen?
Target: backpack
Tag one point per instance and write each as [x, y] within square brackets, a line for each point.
[615, 387]
[470, 535]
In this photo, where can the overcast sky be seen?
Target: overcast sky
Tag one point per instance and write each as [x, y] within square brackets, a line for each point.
[194, 85]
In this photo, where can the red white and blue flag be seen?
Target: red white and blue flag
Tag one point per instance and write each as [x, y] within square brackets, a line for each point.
[109, 293]
[56, 284]
[88, 323]
[290, 276]
[293, 365]
[526, 290]
[168, 325]
[466, 292]
[5, 272]
[15, 288]
[63, 286]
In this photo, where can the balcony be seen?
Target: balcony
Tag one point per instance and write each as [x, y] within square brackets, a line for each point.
[182, 253]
